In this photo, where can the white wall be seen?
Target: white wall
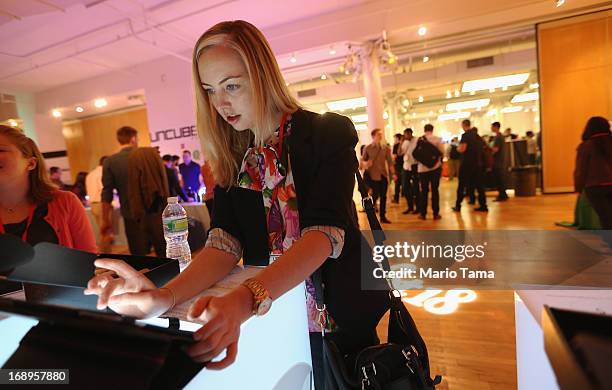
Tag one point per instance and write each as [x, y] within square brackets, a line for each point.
[169, 100]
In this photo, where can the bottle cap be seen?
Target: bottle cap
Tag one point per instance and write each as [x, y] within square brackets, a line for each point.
[173, 199]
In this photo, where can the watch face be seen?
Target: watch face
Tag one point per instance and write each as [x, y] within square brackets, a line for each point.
[264, 306]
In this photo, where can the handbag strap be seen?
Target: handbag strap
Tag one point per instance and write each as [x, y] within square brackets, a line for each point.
[377, 233]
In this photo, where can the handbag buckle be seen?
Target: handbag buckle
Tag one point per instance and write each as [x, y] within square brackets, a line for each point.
[408, 355]
[363, 201]
[321, 319]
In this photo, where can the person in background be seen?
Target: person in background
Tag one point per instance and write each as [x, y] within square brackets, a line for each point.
[593, 172]
[115, 177]
[499, 162]
[191, 174]
[398, 161]
[93, 184]
[209, 184]
[454, 159]
[379, 167]
[532, 147]
[31, 206]
[173, 181]
[147, 194]
[55, 174]
[471, 173]
[79, 188]
[430, 177]
[410, 174]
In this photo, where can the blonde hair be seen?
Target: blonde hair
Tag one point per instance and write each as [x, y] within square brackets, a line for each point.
[41, 188]
[223, 146]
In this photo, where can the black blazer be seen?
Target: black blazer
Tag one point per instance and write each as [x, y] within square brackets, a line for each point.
[321, 150]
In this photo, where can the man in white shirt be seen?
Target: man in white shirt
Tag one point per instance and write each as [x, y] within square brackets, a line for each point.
[93, 184]
[410, 176]
[430, 177]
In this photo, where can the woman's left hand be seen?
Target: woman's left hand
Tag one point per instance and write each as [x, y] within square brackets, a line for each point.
[222, 317]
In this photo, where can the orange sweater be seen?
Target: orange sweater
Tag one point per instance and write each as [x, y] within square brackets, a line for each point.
[68, 219]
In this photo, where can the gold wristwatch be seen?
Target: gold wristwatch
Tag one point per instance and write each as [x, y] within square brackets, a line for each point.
[261, 297]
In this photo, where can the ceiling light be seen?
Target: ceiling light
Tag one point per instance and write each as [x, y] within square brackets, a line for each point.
[361, 126]
[79, 109]
[504, 88]
[534, 86]
[453, 115]
[323, 76]
[286, 84]
[492, 112]
[472, 93]
[467, 104]
[56, 113]
[457, 94]
[332, 51]
[511, 109]
[12, 123]
[448, 94]
[526, 97]
[347, 103]
[99, 103]
[359, 118]
[422, 31]
[491, 90]
[526, 110]
[421, 99]
[346, 72]
[559, 3]
[405, 102]
[425, 59]
[385, 115]
[293, 60]
[495, 82]
[440, 111]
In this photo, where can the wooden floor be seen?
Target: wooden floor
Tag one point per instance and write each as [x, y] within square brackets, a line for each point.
[474, 347]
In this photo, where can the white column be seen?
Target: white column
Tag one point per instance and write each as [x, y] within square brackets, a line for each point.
[373, 89]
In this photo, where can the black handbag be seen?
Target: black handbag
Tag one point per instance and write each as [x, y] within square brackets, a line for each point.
[401, 363]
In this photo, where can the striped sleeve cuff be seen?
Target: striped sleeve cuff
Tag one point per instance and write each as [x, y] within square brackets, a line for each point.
[334, 234]
[222, 240]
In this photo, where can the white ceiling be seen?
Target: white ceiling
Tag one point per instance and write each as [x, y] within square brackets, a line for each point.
[47, 43]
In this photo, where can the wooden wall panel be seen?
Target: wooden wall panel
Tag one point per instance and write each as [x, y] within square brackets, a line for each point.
[89, 139]
[575, 64]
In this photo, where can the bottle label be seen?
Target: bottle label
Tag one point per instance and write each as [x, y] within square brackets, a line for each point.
[175, 224]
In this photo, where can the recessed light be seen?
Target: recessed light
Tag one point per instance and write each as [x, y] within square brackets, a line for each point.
[323, 76]
[472, 93]
[405, 102]
[426, 59]
[457, 93]
[99, 103]
[422, 30]
[421, 99]
[449, 94]
[79, 109]
[293, 60]
[559, 3]
[56, 113]
[286, 84]
[332, 51]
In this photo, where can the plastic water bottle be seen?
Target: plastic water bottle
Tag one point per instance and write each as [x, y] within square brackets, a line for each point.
[176, 230]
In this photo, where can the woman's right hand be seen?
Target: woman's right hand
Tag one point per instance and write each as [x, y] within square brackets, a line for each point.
[131, 293]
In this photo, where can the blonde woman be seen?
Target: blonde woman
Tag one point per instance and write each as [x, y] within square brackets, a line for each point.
[283, 200]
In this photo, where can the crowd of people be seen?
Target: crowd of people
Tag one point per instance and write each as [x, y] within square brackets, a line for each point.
[478, 162]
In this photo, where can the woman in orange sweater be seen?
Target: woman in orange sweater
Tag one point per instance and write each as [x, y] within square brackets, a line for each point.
[31, 207]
